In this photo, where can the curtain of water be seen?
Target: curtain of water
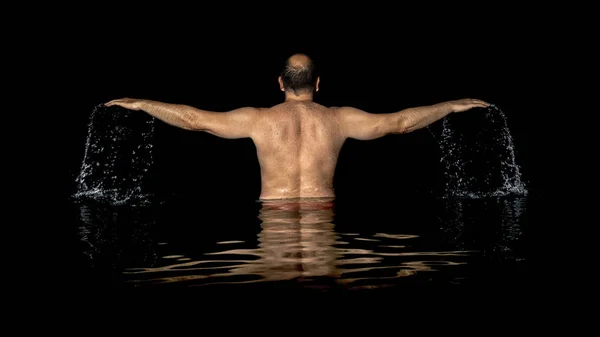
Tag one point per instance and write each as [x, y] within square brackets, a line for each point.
[118, 157]
[480, 164]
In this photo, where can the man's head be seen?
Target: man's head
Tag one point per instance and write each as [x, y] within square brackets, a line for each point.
[299, 75]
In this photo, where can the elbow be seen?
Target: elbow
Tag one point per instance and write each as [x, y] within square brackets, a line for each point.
[403, 126]
[192, 123]
[189, 126]
[195, 126]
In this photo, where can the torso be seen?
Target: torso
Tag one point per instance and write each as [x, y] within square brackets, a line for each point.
[297, 144]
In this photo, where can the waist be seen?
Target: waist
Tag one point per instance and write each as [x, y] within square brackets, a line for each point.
[303, 203]
[322, 196]
[308, 189]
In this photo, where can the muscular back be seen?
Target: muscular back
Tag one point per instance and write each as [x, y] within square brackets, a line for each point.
[297, 144]
[298, 141]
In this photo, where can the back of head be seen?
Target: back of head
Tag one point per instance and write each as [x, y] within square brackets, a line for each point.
[299, 74]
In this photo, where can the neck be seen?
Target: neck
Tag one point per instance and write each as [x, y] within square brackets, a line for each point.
[303, 97]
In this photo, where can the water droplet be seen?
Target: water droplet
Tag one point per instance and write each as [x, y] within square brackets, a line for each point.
[108, 176]
[464, 180]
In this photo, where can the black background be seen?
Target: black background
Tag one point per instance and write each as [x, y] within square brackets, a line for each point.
[379, 68]
[380, 61]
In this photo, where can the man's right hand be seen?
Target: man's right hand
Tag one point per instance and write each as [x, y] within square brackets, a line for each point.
[127, 103]
[467, 104]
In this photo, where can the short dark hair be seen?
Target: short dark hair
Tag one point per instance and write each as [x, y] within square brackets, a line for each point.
[299, 78]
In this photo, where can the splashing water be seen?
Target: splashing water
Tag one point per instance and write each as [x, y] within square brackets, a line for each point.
[117, 157]
[480, 165]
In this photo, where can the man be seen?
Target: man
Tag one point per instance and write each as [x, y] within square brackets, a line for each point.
[298, 141]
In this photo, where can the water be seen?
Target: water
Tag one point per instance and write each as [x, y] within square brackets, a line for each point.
[337, 246]
[118, 157]
[473, 235]
[480, 161]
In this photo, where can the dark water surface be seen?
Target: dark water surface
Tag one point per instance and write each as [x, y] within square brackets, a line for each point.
[322, 246]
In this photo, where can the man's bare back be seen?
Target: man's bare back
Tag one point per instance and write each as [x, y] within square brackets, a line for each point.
[298, 141]
[297, 144]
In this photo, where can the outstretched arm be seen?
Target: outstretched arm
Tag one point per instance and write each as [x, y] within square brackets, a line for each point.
[366, 126]
[237, 123]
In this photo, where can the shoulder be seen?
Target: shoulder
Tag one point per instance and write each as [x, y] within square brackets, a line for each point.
[348, 112]
[246, 111]
[346, 109]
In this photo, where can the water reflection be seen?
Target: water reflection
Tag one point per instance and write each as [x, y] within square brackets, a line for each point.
[308, 244]
[112, 237]
[296, 240]
[503, 220]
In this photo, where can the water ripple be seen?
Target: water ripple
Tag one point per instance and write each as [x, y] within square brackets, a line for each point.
[303, 245]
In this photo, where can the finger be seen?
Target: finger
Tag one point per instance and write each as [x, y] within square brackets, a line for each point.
[113, 102]
[481, 103]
